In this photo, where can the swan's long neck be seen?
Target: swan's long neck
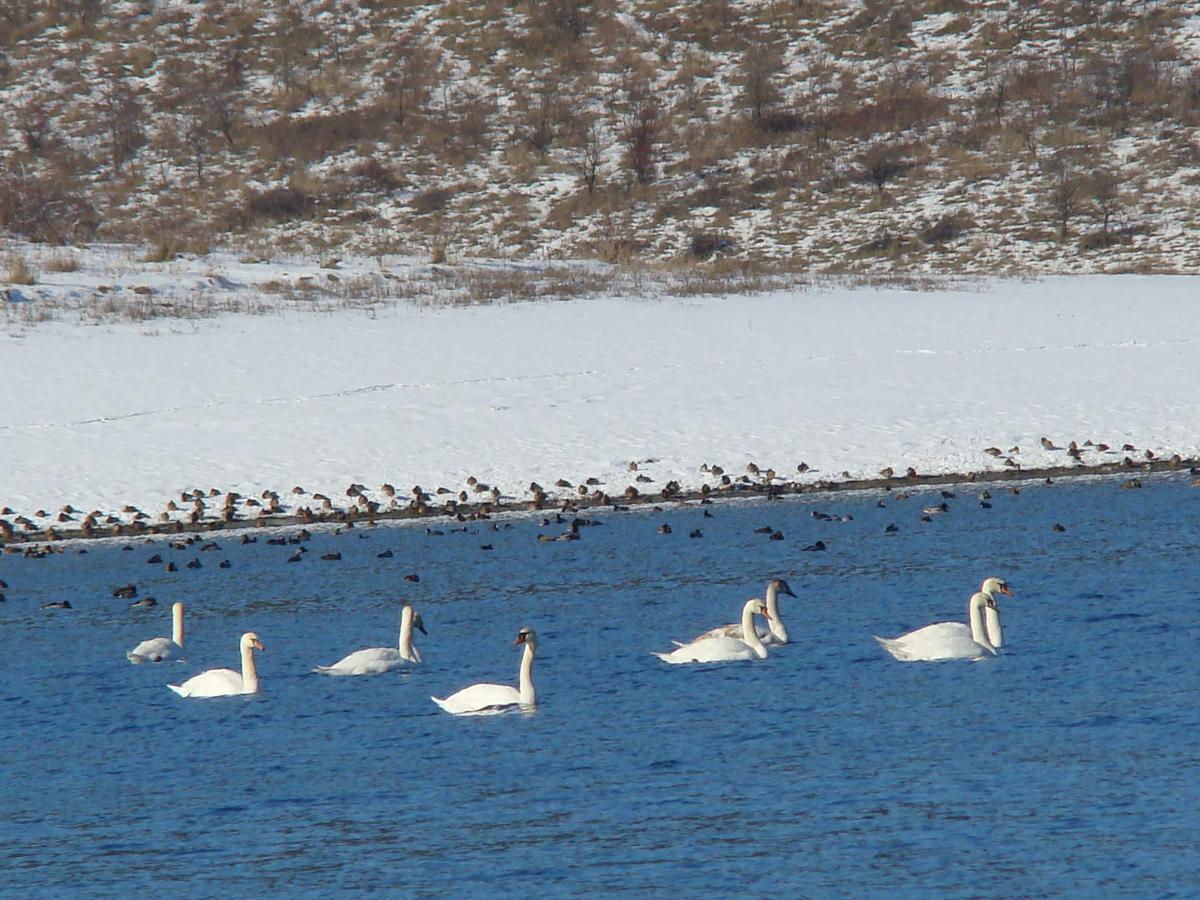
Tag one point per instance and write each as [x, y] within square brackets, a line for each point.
[407, 650]
[177, 624]
[528, 698]
[776, 623]
[249, 673]
[750, 633]
[975, 616]
[991, 621]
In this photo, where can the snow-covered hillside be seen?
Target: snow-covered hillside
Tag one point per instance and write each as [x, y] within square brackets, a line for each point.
[916, 136]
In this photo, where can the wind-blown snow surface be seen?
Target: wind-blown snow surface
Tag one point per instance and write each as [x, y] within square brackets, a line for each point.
[844, 379]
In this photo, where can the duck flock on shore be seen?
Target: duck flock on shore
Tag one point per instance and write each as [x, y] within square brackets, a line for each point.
[198, 509]
[745, 640]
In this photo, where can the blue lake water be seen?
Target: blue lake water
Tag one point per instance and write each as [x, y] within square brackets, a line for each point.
[1068, 765]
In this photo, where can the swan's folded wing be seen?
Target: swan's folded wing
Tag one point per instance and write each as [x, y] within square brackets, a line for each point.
[371, 661]
[479, 698]
[732, 630]
[158, 649]
[714, 649]
[213, 683]
[942, 640]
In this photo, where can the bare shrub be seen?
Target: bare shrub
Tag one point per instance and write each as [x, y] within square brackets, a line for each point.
[375, 175]
[277, 205]
[902, 108]
[556, 26]
[33, 123]
[706, 245]
[314, 137]
[430, 201]
[1102, 240]
[782, 121]
[48, 208]
[948, 227]
[712, 193]
[886, 243]
[880, 163]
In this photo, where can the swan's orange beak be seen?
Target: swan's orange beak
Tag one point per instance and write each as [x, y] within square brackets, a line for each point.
[1006, 590]
[257, 645]
[765, 614]
[520, 638]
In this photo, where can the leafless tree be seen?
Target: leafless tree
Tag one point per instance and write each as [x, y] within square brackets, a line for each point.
[1104, 188]
[120, 119]
[539, 125]
[33, 122]
[1064, 193]
[407, 82]
[881, 162]
[761, 63]
[641, 132]
[588, 153]
[196, 133]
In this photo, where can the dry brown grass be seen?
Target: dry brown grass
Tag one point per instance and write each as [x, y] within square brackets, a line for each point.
[18, 270]
[61, 261]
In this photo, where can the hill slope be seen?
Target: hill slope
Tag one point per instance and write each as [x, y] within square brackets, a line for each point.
[929, 135]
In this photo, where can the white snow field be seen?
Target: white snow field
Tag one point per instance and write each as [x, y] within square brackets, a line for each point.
[843, 379]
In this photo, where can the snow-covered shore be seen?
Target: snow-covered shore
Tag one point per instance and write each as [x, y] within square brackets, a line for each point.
[843, 380]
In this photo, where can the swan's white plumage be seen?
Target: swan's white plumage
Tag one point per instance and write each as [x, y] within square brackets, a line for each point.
[225, 682]
[942, 640]
[487, 698]
[161, 649]
[772, 634]
[377, 660]
[954, 640]
[722, 648]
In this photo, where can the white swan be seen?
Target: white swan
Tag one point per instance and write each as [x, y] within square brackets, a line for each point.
[487, 698]
[953, 640]
[225, 682]
[161, 649]
[723, 648]
[774, 633]
[376, 660]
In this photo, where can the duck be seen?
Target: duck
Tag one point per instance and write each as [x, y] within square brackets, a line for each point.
[225, 682]
[377, 660]
[981, 637]
[774, 634]
[724, 648]
[478, 699]
[161, 649]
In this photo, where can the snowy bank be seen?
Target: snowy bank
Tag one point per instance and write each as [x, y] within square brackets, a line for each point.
[846, 381]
